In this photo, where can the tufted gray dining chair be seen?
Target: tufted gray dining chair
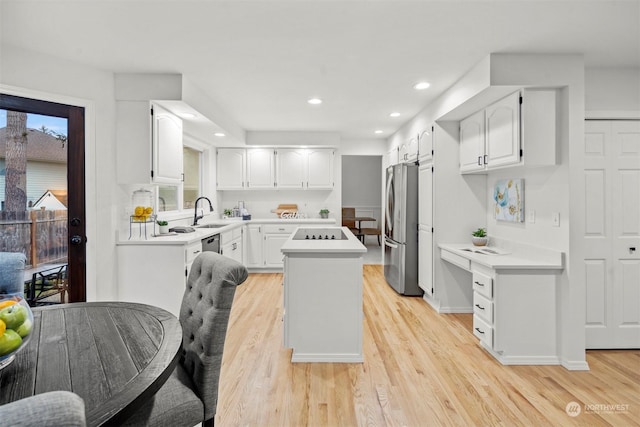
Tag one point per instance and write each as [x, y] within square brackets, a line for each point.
[190, 395]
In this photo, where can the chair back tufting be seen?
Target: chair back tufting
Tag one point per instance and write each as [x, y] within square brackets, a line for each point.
[204, 316]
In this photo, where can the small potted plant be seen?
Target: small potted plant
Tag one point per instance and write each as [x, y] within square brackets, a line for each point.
[324, 213]
[163, 226]
[479, 237]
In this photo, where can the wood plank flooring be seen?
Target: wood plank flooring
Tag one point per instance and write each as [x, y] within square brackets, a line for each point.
[421, 369]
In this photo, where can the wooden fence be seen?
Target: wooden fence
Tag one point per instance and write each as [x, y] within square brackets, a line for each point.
[39, 234]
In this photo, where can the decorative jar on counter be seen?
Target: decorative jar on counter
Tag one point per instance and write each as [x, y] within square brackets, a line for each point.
[142, 202]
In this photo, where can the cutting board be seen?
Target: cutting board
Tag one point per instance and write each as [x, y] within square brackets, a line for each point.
[284, 207]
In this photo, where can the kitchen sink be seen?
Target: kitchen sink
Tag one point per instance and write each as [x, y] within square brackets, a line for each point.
[211, 225]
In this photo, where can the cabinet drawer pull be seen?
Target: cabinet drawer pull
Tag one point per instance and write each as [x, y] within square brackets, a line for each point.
[478, 329]
[485, 160]
[479, 306]
[478, 283]
[479, 160]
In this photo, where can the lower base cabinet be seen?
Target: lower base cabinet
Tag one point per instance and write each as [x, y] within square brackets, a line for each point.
[231, 244]
[155, 274]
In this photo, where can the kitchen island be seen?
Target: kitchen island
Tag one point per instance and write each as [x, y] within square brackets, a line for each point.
[323, 295]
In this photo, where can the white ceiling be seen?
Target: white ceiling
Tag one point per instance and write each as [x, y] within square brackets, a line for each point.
[261, 60]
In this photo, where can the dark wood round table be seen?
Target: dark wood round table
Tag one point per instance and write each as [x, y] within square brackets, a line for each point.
[115, 355]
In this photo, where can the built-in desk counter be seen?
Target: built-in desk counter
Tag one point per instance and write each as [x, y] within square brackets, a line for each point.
[514, 299]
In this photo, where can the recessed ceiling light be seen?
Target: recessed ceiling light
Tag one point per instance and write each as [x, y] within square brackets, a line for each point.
[219, 134]
[186, 115]
[314, 101]
[394, 114]
[378, 131]
[421, 85]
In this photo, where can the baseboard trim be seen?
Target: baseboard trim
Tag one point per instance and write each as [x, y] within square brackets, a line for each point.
[326, 358]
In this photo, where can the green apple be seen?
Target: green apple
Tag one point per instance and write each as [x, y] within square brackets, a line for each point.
[14, 315]
[9, 341]
[24, 329]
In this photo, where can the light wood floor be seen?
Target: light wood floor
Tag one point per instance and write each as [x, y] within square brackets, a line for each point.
[420, 369]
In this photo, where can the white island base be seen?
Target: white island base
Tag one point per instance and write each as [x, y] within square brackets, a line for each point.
[323, 299]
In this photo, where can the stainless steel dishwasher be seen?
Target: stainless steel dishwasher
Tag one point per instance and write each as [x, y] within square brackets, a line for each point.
[211, 244]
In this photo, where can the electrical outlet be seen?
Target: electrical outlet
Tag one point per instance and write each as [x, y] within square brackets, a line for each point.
[531, 216]
[555, 219]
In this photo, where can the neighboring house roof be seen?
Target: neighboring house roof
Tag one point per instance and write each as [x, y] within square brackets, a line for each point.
[40, 147]
[52, 199]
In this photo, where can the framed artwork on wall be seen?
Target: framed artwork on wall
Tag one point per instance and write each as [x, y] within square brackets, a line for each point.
[508, 195]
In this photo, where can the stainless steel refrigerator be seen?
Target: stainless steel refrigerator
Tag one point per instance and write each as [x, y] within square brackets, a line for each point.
[401, 229]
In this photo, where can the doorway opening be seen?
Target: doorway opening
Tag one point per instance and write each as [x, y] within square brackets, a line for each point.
[362, 191]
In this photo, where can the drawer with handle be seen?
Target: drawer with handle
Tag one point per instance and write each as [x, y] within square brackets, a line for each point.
[483, 331]
[483, 284]
[483, 307]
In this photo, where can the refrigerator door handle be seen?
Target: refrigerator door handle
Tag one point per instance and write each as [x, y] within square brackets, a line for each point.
[388, 216]
[391, 245]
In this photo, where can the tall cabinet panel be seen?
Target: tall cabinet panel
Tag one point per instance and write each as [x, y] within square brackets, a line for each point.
[425, 228]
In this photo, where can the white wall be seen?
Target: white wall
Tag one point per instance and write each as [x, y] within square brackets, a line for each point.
[45, 77]
[612, 90]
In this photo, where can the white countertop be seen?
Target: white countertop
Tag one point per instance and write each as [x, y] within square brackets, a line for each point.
[201, 233]
[513, 258]
[350, 245]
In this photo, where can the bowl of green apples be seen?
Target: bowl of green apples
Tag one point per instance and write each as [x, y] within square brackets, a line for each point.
[16, 324]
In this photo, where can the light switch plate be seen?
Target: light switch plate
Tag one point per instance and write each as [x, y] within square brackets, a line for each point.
[555, 219]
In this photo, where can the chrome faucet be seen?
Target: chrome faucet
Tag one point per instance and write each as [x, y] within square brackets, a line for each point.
[196, 217]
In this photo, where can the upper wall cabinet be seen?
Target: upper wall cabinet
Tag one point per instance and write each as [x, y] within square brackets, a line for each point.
[261, 172]
[291, 171]
[149, 144]
[230, 170]
[320, 169]
[408, 151]
[425, 144]
[391, 158]
[517, 130]
[472, 143]
[279, 168]
[309, 168]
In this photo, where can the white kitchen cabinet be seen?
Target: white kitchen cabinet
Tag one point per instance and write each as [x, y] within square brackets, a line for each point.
[514, 307]
[274, 237]
[253, 246]
[518, 130]
[230, 168]
[320, 168]
[149, 144]
[291, 168]
[261, 172]
[502, 132]
[322, 318]
[155, 274]
[472, 139]
[425, 145]
[310, 168]
[408, 151]
[231, 244]
[391, 158]
[425, 228]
